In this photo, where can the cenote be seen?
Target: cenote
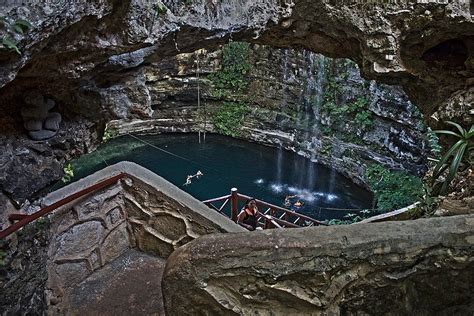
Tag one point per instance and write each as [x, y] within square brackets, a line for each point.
[266, 173]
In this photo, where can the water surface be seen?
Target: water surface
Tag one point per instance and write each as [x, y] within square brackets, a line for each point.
[263, 172]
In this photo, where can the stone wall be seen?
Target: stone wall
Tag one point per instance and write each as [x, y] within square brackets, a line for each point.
[421, 267]
[142, 211]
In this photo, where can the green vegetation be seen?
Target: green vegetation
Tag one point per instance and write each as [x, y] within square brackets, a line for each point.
[393, 189]
[326, 148]
[68, 173]
[160, 8]
[20, 26]
[459, 154]
[351, 218]
[232, 77]
[355, 113]
[229, 116]
[109, 133]
[346, 112]
[40, 223]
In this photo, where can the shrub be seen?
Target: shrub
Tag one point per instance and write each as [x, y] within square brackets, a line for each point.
[393, 189]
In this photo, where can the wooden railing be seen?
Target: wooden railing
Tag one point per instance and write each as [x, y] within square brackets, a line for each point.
[269, 215]
[24, 219]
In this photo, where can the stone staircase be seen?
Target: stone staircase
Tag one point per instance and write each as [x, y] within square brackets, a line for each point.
[129, 285]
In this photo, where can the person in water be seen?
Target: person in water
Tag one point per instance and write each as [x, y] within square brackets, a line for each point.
[298, 204]
[248, 215]
[288, 198]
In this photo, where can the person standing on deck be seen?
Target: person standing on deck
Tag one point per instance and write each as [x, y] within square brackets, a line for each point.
[248, 215]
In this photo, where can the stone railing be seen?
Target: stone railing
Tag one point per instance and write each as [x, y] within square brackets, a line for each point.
[143, 211]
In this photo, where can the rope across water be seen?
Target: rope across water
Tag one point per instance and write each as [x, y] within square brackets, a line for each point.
[318, 207]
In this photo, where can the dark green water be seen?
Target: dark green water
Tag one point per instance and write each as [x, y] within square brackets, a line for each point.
[263, 172]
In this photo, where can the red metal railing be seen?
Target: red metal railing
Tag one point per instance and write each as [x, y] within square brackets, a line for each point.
[272, 217]
[24, 219]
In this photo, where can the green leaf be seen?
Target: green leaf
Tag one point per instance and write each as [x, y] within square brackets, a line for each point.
[10, 43]
[17, 29]
[454, 168]
[459, 127]
[437, 170]
[23, 24]
[470, 133]
[447, 133]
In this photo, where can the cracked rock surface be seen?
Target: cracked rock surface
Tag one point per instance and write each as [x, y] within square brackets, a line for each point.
[392, 268]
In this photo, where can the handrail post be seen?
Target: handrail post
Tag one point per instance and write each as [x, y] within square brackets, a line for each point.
[234, 200]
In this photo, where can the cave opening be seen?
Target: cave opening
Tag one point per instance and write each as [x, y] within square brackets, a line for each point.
[450, 54]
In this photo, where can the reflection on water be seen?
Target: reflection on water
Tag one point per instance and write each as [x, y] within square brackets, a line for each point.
[263, 172]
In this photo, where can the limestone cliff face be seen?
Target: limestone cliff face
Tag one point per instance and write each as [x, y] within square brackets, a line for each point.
[317, 106]
[87, 56]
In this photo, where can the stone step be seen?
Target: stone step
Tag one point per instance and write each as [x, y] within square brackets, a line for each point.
[129, 285]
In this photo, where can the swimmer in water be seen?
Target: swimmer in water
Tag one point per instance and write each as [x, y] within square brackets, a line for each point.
[287, 202]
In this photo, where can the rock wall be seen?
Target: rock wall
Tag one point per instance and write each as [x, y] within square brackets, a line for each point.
[21, 158]
[294, 99]
[23, 273]
[395, 268]
[88, 57]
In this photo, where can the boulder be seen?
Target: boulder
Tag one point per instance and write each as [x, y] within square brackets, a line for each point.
[39, 122]
[396, 268]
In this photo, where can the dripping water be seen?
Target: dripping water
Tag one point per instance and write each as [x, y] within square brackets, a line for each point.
[284, 104]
